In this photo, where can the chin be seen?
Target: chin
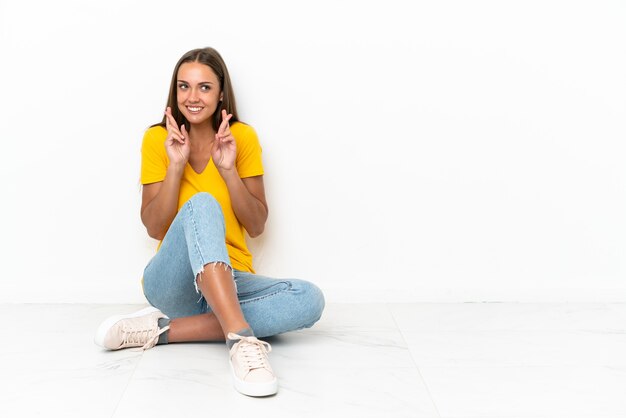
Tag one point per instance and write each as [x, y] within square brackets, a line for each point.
[197, 119]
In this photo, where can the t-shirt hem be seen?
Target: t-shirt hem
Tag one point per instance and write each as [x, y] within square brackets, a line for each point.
[250, 174]
[152, 180]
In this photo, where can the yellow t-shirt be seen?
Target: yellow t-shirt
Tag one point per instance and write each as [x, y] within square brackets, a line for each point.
[154, 163]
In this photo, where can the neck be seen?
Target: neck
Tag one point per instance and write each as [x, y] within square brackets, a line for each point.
[201, 134]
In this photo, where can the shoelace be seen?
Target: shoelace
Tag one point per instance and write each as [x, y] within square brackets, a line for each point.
[136, 336]
[251, 351]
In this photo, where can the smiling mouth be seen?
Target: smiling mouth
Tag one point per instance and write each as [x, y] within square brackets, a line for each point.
[194, 109]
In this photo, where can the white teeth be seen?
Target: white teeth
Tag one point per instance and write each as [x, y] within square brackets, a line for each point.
[194, 109]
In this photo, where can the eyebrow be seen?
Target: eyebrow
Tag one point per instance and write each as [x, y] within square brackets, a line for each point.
[202, 82]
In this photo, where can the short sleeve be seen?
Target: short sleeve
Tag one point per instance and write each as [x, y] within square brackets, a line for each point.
[249, 159]
[154, 159]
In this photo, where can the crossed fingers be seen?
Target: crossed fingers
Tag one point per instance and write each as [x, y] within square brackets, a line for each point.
[172, 127]
[224, 129]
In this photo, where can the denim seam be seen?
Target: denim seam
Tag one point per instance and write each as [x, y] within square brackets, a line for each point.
[197, 248]
[195, 235]
[201, 256]
[289, 286]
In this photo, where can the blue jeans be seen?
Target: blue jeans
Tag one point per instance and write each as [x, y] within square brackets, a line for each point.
[196, 238]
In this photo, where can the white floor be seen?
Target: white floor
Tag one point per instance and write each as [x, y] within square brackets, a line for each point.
[361, 360]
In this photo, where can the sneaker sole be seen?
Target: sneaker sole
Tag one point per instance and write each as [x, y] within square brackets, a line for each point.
[254, 389]
[109, 322]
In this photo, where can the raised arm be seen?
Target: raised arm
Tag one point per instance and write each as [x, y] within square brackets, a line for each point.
[248, 199]
[247, 195]
[159, 201]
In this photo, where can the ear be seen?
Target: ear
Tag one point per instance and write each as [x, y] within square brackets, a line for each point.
[221, 97]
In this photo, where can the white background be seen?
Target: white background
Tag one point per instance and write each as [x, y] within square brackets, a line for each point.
[418, 151]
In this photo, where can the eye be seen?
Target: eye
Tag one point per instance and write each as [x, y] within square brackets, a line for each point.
[182, 86]
[205, 87]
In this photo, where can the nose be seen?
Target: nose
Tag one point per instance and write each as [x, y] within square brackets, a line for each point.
[193, 95]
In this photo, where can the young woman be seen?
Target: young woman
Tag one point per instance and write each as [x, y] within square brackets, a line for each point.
[202, 179]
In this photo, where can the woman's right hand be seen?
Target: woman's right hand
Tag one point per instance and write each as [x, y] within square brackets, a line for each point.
[177, 141]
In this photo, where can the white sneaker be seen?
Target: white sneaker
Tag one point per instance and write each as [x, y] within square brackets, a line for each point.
[138, 329]
[252, 373]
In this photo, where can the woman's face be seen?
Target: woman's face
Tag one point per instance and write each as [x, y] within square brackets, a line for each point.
[198, 92]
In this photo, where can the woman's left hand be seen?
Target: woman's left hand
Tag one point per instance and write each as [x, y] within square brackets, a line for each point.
[224, 151]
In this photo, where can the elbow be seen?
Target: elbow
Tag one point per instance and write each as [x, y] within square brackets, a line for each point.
[157, 237]
[255, 232]
[150, 229]
[257, 227]
[153, 233]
